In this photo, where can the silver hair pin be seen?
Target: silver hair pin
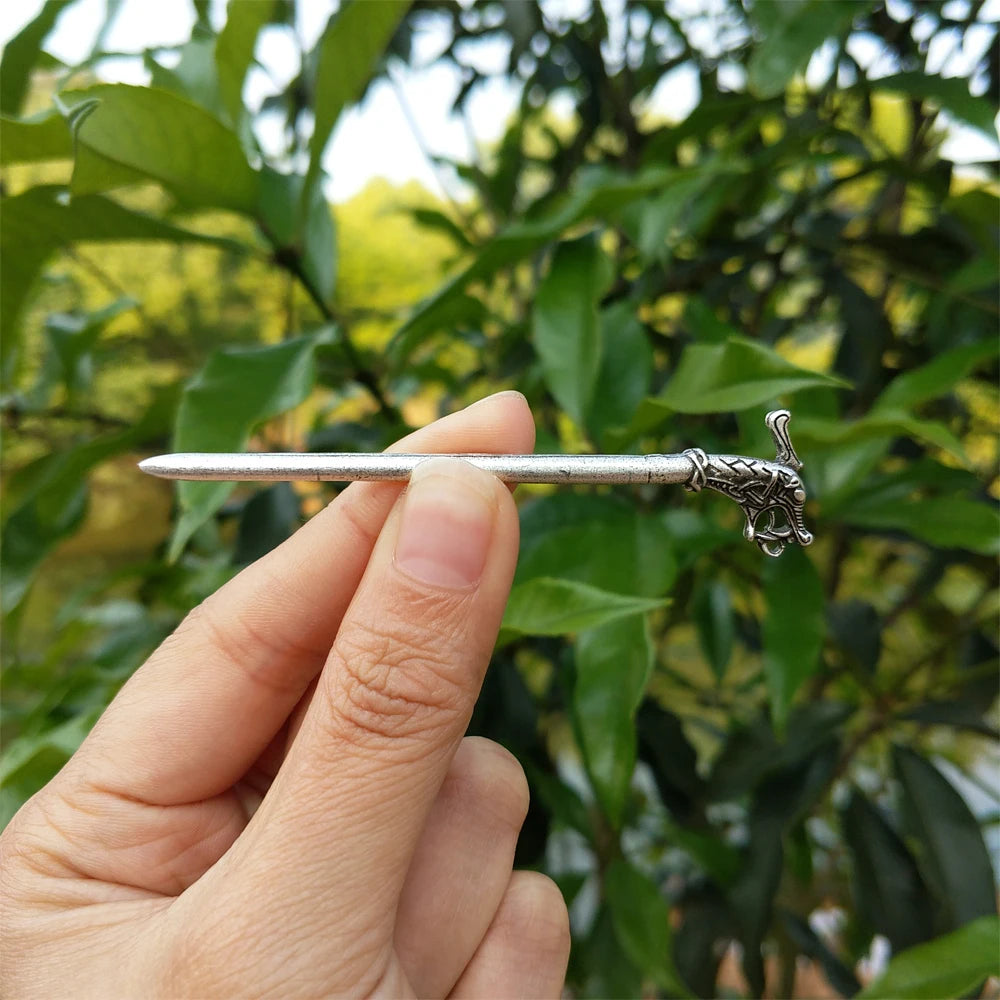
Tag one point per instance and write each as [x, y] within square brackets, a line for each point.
[770, 493]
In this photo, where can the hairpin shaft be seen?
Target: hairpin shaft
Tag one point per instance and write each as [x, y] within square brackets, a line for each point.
[769, 491]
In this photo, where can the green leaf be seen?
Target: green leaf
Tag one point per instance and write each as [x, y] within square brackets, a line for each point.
[880, 424]
[234, 50]
[951, 966]
[625, 371]
[793, 628]
[73, 336]
[34, 224]
[308, 240]
[268, 518]
[664, 746]
[349, 50]
[936, 378]
[889, 893]
[546, 606]
[566, 328]
[613, 664]
[712, 610]
[716, 378]
[585, 201]
[34, 140]
[792, 30]
[20, 55]
[47, 500]
[947, 522]
[236, 390]
[641, 919]
[855, 626]
[161, 137]
[951, 853]
[601, 541]
[951, 93]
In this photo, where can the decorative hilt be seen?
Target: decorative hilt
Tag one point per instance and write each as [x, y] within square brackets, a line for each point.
[771, 493]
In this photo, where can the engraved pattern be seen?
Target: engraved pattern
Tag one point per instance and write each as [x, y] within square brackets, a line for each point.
[771, 494]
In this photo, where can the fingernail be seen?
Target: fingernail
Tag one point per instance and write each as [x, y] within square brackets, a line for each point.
[497, 395]
[447, 523]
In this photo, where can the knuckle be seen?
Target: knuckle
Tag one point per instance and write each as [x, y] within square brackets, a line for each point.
[390, 681]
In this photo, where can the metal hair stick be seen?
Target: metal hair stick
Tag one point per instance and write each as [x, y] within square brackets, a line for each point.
[769, 492]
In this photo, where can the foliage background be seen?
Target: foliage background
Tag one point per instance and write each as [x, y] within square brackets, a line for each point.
[722, 749]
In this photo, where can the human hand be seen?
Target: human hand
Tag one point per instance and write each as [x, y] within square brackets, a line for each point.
[280, 801]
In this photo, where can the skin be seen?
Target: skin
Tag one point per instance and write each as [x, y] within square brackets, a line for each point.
[281, 802]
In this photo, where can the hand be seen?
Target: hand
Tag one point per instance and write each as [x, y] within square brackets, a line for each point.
[280, 801]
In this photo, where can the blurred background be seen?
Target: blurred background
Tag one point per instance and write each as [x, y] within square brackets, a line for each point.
[298, 226]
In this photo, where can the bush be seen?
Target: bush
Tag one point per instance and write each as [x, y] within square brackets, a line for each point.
[751, 741]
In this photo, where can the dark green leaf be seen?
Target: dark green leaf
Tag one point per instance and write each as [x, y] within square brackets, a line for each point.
[566, 328]
[238, 389]
[348, 53]
[935, 378]
[888, 890]
[712, 611]
[306, 240]
[625, 370]
[613, 664]
[736, 375]
[600, 541]
[672, 759]
[956, 714]
[951, 853]
[951, 966]
[855, 627]
[791, 31]
[793, 628]
[20, 55]
[948, 522]
[840, 976]
[882, 424]
[149, 132]
[641, 920]
[545, 606]
[268, 518]
[34, 140]
[562, 802]
[950, 93]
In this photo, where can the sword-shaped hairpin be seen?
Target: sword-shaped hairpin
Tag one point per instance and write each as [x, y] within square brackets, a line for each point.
[770, 492]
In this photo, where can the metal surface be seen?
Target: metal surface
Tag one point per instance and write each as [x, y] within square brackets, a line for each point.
[770, 493]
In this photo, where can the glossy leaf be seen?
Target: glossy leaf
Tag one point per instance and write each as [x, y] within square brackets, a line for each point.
[148, 133]
[20, 55]
[613, 664]
[641, 920]
[597, 540]
[950, 93]
[889, 892]
[236, 390]
[792, 31]
[954, 965]
[793, 629]
[736, 375]
[268, 518]
[566, 326]
[545, 606]
[951, 853]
